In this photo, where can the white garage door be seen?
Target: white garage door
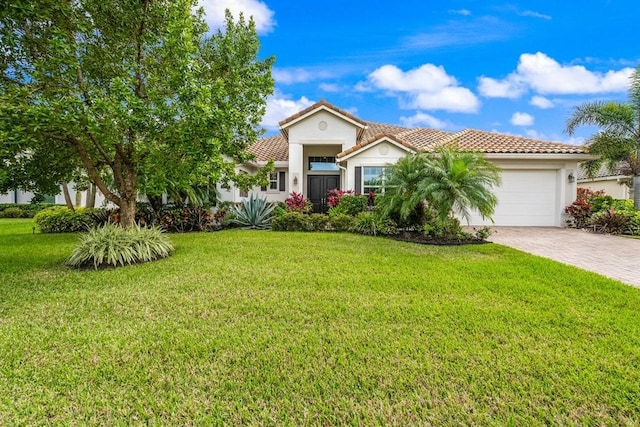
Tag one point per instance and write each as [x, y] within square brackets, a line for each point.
[525, 198]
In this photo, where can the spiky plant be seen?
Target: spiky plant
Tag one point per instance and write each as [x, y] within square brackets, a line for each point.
[112, 245]
[254, 213]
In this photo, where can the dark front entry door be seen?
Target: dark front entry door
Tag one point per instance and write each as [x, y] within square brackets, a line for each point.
[317, 187]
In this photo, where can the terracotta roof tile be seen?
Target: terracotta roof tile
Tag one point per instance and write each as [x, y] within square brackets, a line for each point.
[318, 104]
[272, 148]
[376, 128]
[373, 139]
[622, 169]
[491, 142]
[423, 138]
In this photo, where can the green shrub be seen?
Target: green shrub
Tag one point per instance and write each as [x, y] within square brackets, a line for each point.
[63, 220]
[633, 226]
[318, 222]
[13, 212]
[352, 204]
[292, 221]
[341, 222]
[28, 209]
[444, 229]
[254, 213]
[337, 210]
[112, 245]
[371, 224]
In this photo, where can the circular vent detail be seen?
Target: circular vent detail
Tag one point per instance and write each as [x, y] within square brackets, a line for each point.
[322, 125]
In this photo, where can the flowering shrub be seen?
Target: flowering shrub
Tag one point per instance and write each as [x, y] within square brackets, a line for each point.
[296, 202]
[334, 196]
[579, 213]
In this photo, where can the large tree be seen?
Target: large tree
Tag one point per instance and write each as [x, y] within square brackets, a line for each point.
[134, 93]
[618, 141]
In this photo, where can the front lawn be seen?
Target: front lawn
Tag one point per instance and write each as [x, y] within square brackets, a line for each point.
[257, 327]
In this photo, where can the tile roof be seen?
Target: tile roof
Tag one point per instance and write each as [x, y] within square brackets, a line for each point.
[319, 104]
[373, 139]
[277, 148]
[622, 169]
[492, 142]
[272, 148]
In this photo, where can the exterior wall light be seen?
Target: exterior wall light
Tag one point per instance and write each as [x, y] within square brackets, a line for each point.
[571, 178]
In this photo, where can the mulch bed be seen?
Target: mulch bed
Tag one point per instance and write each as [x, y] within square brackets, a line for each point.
[420, 238]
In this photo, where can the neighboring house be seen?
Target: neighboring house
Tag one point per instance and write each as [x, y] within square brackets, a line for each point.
[615, 183]
[324, 147]
[19, 196]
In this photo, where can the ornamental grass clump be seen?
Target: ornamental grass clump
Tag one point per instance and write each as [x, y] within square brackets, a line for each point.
[112, 245]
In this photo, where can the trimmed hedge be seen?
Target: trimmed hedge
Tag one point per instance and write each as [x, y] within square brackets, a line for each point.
[23, 210]
[64, 220]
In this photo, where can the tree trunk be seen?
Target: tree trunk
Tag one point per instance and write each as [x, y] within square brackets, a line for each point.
[128, 199]
[91, 195]
[78, 198]
[636, 191]
[67, 196]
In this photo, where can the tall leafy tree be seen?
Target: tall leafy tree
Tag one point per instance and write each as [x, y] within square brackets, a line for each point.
[618, 141]
[134, 93]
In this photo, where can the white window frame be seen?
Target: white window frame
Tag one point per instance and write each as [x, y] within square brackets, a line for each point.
[383, 180]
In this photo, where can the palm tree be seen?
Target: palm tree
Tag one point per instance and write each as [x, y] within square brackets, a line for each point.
[447, 180]
[618, 141]
[400, 197]
[459, 182]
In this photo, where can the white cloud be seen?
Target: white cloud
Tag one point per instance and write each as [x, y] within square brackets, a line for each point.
[287, 76]
[534, 14]
[421, 118]
[541, 102]
[464, 12]
[279, 108]
[262, 15]
[507, 88]
[545, 75]
[427, 87]
[522, 119]
[330, 87]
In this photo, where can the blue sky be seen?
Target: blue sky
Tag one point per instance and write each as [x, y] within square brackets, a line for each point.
[514, 67]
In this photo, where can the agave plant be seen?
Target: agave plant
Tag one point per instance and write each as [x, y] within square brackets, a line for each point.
[254, 213]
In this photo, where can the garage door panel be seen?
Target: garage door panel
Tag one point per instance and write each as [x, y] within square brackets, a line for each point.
[525, 198]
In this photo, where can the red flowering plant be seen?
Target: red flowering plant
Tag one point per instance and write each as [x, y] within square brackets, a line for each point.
[334, 196]
[296, 202]
[580, 211]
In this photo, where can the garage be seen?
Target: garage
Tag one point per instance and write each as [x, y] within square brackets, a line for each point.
[525, 198]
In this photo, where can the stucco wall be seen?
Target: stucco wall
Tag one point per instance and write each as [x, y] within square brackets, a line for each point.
[610, 186]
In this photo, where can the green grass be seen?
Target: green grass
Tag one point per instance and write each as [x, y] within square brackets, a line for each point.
[257, 327]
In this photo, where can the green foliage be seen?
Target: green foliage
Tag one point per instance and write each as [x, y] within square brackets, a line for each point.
[13, 212]
[341, 222]
[633, 226]
[371, 224]
[448, 228]
[292, 221]
[351, 204]
[318, 222]
[139, 95]
[254, 213]
[448, 181]
[63, 220]
[337, 210]
[483, 233]
[112, 245]
[28, 209]
[617, 143]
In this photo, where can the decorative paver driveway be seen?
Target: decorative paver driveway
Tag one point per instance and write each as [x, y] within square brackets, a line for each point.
[612, 256]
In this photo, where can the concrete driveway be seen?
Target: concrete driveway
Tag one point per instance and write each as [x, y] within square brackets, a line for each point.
[612, 256]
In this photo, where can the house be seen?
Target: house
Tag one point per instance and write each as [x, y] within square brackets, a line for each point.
[616, 183]
[324, 147]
